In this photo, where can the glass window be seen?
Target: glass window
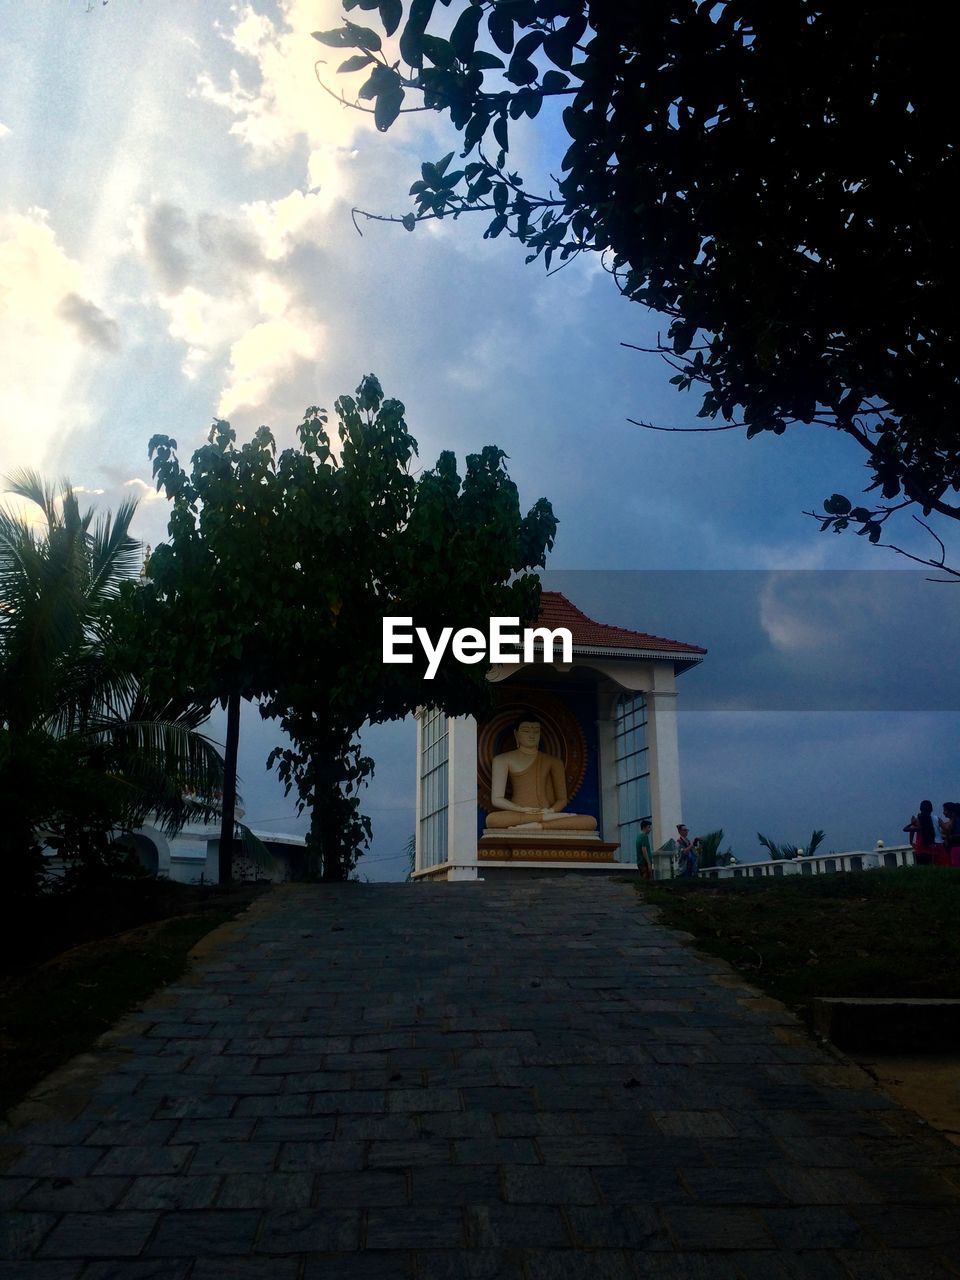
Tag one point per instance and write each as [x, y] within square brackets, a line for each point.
[633, 771]
[433, 789]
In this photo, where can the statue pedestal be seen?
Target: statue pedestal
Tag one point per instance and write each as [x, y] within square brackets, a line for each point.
[573, 847]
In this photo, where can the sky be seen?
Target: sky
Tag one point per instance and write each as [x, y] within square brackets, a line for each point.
[176, 245]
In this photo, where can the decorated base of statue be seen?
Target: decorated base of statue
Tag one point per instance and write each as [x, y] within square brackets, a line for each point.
[573, 847]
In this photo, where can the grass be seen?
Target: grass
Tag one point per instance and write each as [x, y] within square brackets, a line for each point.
[879, 933]
[52, 1010]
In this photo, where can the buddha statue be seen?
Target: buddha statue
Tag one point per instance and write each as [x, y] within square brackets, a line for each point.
[538, 788]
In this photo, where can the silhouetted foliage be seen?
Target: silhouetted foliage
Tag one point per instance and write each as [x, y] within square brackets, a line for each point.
[85, 752]
[777, 178]
[281, 568]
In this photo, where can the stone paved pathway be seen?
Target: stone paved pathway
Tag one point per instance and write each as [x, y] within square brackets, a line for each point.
[504, 1082]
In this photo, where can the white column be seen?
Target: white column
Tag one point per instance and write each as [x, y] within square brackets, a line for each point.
[462, 797]
[664, 758]
[418, 789]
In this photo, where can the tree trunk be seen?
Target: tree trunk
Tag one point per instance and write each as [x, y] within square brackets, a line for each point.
[228, 817]
[323, 822]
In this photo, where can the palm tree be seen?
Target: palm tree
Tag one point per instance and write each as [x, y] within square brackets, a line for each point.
[779, 852]
[84, 753]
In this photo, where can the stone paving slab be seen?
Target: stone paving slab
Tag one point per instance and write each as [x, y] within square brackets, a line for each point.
[496, 1082]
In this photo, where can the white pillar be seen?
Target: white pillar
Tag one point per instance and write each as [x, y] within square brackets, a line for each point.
[462, 797]
[418, 788]
[664, 755]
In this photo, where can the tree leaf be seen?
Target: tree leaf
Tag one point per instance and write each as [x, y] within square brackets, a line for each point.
[387, 108]
[483, 61]
[440, 52]
[554, 81]
[464, 35]
[340, 38]
[837, 505]
[682, 335]
[501, 30]
[559, 49]
[356, 63]
[364, 37]
[411, 41]
[391, 11]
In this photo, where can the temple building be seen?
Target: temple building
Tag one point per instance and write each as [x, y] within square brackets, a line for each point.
[561, 772]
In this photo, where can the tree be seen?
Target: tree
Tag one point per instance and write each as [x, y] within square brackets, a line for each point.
[780, 850]
[711, 854]
[776, 179]
[84, 752]
[288, 564]
[209, 610]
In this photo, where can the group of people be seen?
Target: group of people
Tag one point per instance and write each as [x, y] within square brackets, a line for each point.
[687, 851]
[927, 849]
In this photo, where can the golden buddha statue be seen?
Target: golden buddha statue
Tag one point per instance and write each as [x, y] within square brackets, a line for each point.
[538, 788]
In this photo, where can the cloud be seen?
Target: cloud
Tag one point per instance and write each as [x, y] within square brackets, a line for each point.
[49, 328]
[92, 324]
[4, 130]
[228, 242]
[144, 492]
[495, 355]
[280, 225]
[159, 234]
[279, 109]
[285, 107]
[264, 354]
[204, 323]
[806, 613]
[229, 296]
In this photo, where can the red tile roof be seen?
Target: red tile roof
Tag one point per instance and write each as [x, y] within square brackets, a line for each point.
[557, 611]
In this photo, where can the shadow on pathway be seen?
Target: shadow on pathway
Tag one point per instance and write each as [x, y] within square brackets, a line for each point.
[506, 1082]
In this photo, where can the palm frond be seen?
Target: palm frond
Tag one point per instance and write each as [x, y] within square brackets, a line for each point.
[29, 484]
[175, 773]
[190, 755]
[256, 850]
[774, 849]
[115, 555]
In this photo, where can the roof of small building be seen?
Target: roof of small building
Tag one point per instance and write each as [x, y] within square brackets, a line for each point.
[599, 637]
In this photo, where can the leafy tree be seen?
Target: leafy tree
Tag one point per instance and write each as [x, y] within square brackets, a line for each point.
[210, 607]
[323, 541]
[776, 179]
[84, 752]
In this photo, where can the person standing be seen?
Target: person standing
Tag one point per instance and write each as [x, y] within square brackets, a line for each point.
[950, 833]
[922, 834]
[684, 849]
[644, 851]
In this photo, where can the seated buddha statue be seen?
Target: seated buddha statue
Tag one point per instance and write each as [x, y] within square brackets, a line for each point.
[538, 788]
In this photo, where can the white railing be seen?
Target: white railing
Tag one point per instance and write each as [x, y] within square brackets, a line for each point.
[818, 864]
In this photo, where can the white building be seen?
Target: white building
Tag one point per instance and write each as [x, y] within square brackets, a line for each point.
[610, 716]
[191, 856]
